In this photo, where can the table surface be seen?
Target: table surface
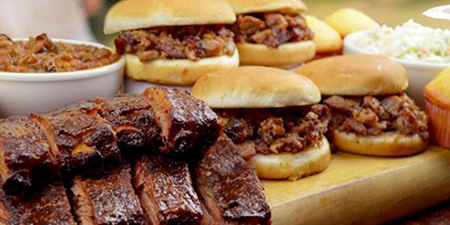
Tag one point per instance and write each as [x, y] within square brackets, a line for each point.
[363, 190]
[437, 215]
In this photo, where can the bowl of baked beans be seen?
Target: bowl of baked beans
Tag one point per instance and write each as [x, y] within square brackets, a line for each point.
[39, 74]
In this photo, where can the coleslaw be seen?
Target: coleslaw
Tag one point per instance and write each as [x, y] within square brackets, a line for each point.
[409, 41]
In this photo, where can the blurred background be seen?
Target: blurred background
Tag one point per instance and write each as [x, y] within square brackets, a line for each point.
[83, 19]
[391, 12]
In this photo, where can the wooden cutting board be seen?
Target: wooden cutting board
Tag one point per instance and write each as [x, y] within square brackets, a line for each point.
[362, 190]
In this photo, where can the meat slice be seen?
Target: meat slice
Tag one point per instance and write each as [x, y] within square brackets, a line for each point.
[340, 103]
[165, 188]
[46, 206]
[132, 119]
[107, 200]
[24, 150]
[229, 187]
[186, 123]
[80, 141]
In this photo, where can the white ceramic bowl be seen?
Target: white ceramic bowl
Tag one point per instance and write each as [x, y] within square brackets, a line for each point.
[420, 73]
[24, 93]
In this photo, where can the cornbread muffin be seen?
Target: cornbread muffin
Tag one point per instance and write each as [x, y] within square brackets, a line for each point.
[437, 100]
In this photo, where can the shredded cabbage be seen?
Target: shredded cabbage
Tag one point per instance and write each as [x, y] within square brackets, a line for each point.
[409, 41]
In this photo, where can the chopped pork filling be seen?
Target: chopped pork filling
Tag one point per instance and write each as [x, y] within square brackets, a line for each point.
[374, 115]
[181, 42]
[268, 131]
[271, 29]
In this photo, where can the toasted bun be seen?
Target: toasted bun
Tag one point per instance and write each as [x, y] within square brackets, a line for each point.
[326, 38]
[255, 6]
[356, 75]
[137, 14]
[387, 144]
[292, 166]
[177, 71]
[284, 55]
[346, 21]
[255, 87]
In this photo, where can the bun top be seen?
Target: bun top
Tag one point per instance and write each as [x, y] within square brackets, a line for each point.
[255, 87]
[438, 90]
[356, 75]
[256, 6]
[138, 14]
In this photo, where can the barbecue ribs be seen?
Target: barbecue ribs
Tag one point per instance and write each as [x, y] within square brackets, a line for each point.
[80, 141]
[133, 120]
[166, 192]
[47, 206]
[229, 187]
[186, 124]
[24, 150]
[107, 200]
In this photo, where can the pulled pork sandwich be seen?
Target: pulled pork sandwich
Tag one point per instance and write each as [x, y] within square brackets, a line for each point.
[272, 33]
[173, 42]
[272, 115]
[370, 113]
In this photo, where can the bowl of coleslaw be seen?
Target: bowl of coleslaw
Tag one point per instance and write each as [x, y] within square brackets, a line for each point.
[423, 51]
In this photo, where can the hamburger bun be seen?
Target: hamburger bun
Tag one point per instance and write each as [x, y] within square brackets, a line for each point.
[387, 144]
[349, 20]
[284, 55]
[292, 166]
[256, 6]
[255, 87]
[137, 14]
[326, 38]
[177, 71]
[356, 75]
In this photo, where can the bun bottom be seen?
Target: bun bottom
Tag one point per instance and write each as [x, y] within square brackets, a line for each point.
[387, 144]
[292, 166]
[289, 54]
[181, 72]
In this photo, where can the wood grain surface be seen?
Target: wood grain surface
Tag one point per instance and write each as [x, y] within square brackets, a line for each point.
[363, 190]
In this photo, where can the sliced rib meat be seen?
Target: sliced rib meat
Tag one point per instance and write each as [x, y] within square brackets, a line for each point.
[81, 141]
[48, 205]
[186, 123]
[24, 153]
[229, 187]
[133, 121]
[107, 200]
[165, 188]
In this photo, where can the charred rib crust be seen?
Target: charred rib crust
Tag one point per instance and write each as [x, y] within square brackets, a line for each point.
[186, 123]
[166, 192]
[107, 200]
[24, 151]
[83, 141]
[229, 187]
[133, 120]
[48, 205]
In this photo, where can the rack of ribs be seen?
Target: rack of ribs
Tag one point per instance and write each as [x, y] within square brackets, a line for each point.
[49, 206]
[86, 136]
[107, 200]
[186, 124]
[166, 192]
[229, 187]
[24, 150]
[80, 141]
